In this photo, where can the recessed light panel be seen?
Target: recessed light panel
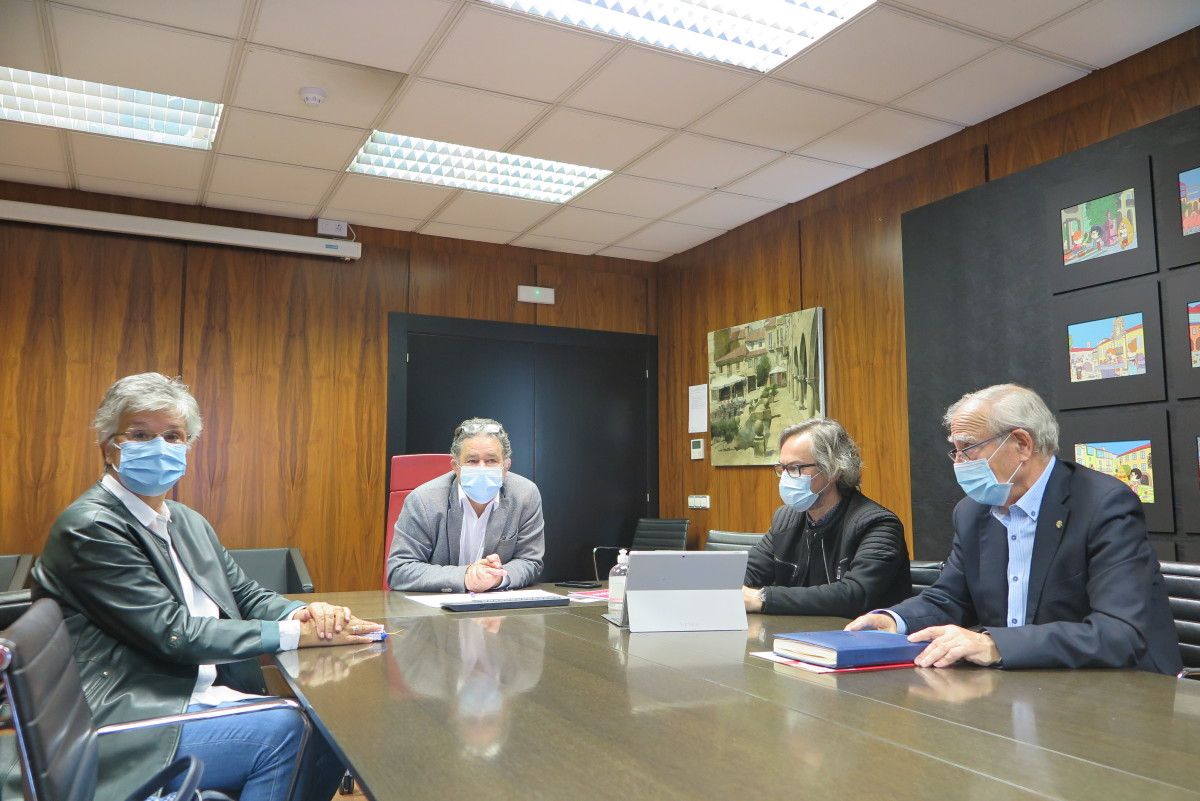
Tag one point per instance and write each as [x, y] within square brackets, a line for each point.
[40, 99]
[759, 34]
[409, 158]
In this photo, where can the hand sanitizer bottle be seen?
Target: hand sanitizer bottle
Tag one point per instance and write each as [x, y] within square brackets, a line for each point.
[616, 584]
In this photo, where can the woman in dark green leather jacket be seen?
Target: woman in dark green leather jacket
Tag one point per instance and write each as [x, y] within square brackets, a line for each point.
[162, 620]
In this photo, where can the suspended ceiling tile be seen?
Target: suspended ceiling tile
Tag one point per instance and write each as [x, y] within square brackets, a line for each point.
[618, 252]
[557, 245]
[670, 237]
[1106, 32]
[389, 197]
[281, 208]
[640, 197]
[273, 137]
[467, 232]
[724, 210]
[140, 55]
[779, 115]
[496, 212]
[112, 186]
[385, 35]
[140, 162]
[1008, 19]
[588, 225]
[269, 181]
[882, 54]
[657, 88]
[463, 116]
[36, 146]
[271, 81]
[518, 56]
[792, 178]
[372, 220]
[31, 175]
[701, 161]
[594, 140]
[879, 137]
[21, 37]
[1012, 77]
[218, 17]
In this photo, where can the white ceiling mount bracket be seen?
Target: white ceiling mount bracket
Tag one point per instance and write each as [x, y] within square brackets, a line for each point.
[312, 95]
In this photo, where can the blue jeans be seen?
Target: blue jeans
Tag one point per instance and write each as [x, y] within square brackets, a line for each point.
[254, 755]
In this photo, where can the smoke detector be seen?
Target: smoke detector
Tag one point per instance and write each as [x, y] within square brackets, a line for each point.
[312, 95]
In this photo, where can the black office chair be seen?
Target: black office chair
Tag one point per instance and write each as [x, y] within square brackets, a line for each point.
[923, 574]
[1183, 590]
[12, 605]
[56, 736]
[280, 569]
[651, 534]
[14, 571]
[731, 540]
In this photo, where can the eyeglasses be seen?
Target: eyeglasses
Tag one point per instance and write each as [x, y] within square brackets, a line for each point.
[471, 429]
[792, 469]
[172, 436]
[962, 454]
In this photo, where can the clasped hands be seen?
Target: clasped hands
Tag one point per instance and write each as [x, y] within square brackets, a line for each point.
[327, 624]
[947, 644]
[485, 574]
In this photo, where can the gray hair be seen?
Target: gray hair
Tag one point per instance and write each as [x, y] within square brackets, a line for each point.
[479, 426]
[834, 452]
[146, 392]
[1009, 406]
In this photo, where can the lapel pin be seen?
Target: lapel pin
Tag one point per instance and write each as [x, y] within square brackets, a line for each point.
[1058, 524]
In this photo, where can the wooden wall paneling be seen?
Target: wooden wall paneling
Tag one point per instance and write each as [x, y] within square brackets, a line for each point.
[287, 357]
[602, 301]
[852, 265]
[459, 278]
[81, 309]
[747, 274]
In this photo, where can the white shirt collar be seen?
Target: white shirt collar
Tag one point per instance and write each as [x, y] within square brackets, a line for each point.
[140, 509]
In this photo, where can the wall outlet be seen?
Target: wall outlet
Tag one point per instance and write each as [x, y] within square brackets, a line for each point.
[699, 502]
[332, 227]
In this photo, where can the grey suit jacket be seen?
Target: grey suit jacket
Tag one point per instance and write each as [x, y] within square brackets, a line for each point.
[424, 555]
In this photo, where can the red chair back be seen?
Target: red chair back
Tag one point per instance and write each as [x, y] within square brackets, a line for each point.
[409, 471]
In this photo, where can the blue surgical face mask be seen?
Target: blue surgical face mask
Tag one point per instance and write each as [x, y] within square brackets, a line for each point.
[797, 492]
[980, 483]
[481, 483]
[151, 468]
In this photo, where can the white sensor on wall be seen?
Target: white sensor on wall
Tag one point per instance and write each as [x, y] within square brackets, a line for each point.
[535, 294]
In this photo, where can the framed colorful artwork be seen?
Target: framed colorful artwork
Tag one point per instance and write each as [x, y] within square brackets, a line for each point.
[1103, 226]
[1185, 435]
[1107, 346]
[1177, 200]
[1181, 331]
[1130, 445]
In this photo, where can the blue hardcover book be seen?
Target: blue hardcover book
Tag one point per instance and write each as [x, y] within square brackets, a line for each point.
[845, 649]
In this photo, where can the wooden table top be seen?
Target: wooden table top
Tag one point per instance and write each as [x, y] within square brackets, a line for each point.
[556, 703]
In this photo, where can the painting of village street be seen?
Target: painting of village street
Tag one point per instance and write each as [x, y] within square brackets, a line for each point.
[1112, 347]
[1099, 227]
[762, 377]
[1128, 461]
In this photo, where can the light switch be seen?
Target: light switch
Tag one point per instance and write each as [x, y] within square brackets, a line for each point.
[699, 502]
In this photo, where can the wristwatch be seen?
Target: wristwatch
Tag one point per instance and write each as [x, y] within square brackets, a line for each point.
[762, 598]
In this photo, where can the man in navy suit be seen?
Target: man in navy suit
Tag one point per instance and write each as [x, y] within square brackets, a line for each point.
[1050, 567]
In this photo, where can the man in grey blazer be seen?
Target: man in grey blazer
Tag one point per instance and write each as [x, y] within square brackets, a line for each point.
[477, 528]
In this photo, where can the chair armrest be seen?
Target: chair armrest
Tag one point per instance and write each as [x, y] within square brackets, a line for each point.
[298, 570]
[595, 569]
[1188, 673]
[192, 770]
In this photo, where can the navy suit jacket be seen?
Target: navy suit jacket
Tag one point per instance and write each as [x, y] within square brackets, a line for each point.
[1096, 594]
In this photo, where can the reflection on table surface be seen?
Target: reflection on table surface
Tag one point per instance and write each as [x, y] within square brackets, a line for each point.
[557, 703]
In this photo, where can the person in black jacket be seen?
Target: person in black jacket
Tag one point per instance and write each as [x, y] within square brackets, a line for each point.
[831, 550]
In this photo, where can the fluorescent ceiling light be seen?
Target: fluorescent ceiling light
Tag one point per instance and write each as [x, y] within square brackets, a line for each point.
[409, 158]
[759, 34]
[40, 99]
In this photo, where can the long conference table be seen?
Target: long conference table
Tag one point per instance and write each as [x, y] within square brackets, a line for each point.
[556, 703]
